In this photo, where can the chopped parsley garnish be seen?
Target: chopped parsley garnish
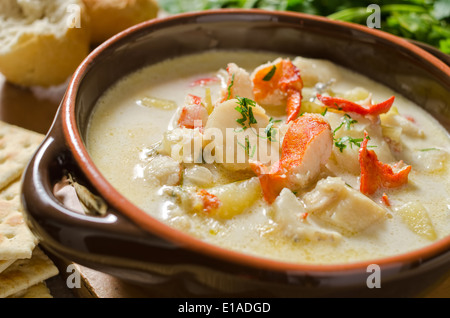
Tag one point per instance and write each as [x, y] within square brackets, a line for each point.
[230, 86]
[247, 147]
[270, 74]
[347, 121]
[270, 131]
[341, 142]
[428, 149]
[245, 109]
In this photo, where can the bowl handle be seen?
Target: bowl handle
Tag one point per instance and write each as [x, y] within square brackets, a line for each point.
[60, 227]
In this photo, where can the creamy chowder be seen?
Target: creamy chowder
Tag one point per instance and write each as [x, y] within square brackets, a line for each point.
[355, 171]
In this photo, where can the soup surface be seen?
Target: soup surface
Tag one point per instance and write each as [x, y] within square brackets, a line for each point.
[283, 157]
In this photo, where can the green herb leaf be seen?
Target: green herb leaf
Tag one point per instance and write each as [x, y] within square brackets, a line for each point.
[341, 142]
[347, 121]
[270, 74]
[247, 147]
[230, 86]
[338, 127]
[245, 109]
[428, 149]
[412, 19]
[251, 117]
[270, 131]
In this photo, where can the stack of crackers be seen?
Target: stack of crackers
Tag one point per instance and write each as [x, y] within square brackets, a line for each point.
[24, 267]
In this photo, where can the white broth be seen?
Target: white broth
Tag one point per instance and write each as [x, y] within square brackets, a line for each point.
[326, 219]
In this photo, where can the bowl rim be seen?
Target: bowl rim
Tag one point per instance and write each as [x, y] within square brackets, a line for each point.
[147, 222]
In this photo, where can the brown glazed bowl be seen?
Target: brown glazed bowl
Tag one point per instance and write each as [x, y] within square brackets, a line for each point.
[130, 244]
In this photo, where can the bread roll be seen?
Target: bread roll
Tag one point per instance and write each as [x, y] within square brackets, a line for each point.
[42, 41]
[109, 17]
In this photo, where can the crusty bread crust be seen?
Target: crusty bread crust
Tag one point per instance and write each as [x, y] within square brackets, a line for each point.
[43, 59]
[109, 17]
[37, 52]
[47, 54]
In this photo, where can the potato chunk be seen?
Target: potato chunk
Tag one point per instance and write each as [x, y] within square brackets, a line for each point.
[229, 200]
[394, 119]
[359, 95]
[236, 197]
[315, 71]
[341, 206]
[415, 215]
[432, 160]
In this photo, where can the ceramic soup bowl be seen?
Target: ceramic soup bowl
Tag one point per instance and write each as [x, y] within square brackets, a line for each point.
[130, 244]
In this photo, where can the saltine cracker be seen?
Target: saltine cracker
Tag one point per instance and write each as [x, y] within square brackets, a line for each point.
[17, 146]
[24, 273]
[39, 290]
